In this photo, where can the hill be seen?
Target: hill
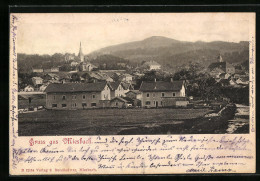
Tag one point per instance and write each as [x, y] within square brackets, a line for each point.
[167, 51]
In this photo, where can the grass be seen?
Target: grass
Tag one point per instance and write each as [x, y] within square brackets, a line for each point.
[107, 121]
[37, 100]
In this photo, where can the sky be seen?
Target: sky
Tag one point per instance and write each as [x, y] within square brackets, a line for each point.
[43, 33]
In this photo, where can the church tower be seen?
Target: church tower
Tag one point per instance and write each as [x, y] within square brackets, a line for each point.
[220, 59]
[81, 55]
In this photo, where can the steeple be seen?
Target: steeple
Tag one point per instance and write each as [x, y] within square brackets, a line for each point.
[81, 55]
[220, 59]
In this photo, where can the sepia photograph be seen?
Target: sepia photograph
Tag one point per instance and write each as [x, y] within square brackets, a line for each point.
[132, 74]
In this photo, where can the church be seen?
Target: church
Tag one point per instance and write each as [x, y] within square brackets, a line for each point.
[84, 65]
[220, 67]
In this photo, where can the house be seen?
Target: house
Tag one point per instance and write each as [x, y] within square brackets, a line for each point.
[126, 78]
[127, 86]
[37, 70]
[120, 102]
[215, 72]
[29, 88]
[117, 89]
[232, 82]
[43, 87]
[225, 67]
[55, 69]
[74, 64]
[152, 65]
[37, 81]
[243, 81]
[224, 76]
[86, 66]
[134, 94]
[78, 95]
[68, 57]
[224, 82]
[163, 94]
[51, 76]
[120, 64]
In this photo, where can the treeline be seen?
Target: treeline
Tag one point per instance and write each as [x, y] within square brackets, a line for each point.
[27, 62]
[110, 62]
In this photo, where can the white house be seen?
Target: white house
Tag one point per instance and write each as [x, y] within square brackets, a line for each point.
[117, 89]
[37, 80]
[29, 88]
[55, 69]
[127, 78]
[43, 87]
[38, 70]
[152, 65]
[74, 64]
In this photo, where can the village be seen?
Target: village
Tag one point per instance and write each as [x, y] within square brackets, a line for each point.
[147, 96]
[89, 87]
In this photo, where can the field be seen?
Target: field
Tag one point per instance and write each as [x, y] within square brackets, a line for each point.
[37, 100]
[110, 121]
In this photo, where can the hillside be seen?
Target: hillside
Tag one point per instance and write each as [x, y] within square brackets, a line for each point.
[173, 52]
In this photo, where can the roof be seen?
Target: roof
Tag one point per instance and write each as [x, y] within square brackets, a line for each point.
[161, 86]
[126, 85]
[37, 78]
[115, 85]
[221, 65]
[76, 87]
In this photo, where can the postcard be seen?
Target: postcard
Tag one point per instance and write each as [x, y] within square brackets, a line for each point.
[132, 93]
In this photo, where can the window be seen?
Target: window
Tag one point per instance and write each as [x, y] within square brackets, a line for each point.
[93, 96]
[63, 97]
[64, 105]
[74, 104]
[153, 94]
[93, 104]
[54, 105]
[54, 97]
[148, 103]
[104, 95]
[147, 95]
[84, 104]
[74, 97]
[173, 94]
[154, 102]
[84, 97]
[116, 103]
[162, 94]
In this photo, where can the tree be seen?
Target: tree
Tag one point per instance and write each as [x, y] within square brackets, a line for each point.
[75, 77]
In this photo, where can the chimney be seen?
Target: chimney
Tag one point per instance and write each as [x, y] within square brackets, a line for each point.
[154, 79]
[171, 79]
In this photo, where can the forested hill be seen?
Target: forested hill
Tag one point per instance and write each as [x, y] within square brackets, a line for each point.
[173, 52]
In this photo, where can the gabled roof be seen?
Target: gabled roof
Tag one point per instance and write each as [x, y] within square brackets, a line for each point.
[115, 85]
[76, 87]
[126, 85]
[161, 86]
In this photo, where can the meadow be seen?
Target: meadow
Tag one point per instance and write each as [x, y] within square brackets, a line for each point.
[108, 121]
